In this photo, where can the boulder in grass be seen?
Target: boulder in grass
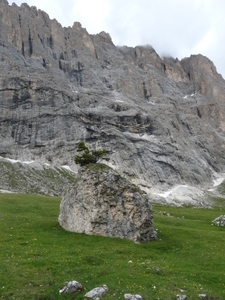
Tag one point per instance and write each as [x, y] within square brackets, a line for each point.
[104, 203]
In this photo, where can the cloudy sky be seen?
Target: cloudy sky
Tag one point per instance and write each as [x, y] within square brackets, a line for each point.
[177, 28]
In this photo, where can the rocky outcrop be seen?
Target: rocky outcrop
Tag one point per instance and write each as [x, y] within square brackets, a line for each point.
[104, 203]
[160, 119]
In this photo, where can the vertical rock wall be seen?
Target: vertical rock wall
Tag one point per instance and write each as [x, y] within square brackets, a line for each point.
[161, 119]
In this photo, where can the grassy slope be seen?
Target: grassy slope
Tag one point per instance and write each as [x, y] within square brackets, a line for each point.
[35, 179]
[37, 256]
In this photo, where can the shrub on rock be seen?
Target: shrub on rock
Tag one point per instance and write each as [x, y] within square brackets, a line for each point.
[89, 156]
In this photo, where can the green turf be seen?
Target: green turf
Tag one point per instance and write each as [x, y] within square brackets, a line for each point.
[37, 257]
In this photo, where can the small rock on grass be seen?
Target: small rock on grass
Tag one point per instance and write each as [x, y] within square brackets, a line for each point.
[132, 297]
[97, 292]
[181, 297]
[72, 286]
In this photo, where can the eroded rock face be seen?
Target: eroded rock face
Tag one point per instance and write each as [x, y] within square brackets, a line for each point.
[161, 120]
[104, 203]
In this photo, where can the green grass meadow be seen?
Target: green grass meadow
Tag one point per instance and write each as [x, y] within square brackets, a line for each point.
[37, 257]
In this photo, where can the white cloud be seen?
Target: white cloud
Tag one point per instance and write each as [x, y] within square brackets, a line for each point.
[91, 14]
[205, 43]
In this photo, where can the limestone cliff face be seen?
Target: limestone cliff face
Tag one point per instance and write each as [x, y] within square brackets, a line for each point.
[103, 203]
[161, 119]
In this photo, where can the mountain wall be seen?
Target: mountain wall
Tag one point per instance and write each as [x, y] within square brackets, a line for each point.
[160, 119]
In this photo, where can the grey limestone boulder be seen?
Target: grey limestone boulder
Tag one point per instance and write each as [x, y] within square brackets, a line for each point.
[104, 203]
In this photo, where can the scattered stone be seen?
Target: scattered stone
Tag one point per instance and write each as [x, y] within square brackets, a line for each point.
[132, 297]
[97, 292]
[220, 221]
[202, 296]
[72, 286]
[181, 297]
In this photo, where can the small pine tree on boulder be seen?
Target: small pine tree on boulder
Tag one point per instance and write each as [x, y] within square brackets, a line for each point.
[89, 156]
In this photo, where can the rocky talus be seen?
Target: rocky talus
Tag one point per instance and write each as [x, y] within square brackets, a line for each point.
[160, 119]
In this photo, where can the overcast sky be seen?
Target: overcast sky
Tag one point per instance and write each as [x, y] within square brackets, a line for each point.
[177, 28]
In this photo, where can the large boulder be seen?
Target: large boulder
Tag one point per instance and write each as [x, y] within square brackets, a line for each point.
[104, 203]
